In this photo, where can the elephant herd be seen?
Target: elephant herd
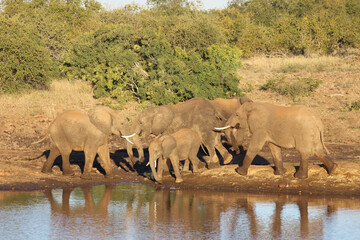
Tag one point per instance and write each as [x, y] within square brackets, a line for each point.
[181, 129]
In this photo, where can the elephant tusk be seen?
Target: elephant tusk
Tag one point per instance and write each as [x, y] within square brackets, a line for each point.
[129, 136]
[149, 163]
[222, 128]
[127, 139]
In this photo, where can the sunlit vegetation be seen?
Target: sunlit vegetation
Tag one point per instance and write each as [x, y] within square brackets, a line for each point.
[166, 52]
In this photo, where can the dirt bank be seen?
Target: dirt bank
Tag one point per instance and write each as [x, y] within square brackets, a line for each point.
[20, 171]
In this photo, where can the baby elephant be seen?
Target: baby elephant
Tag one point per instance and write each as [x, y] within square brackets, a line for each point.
[181, 145]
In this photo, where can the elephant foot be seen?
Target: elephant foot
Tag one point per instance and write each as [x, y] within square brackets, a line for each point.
[68, 172]
[228, 159]
[207, 159]
[242, 171]
[159, 181]
[280, 171]
[109, 175]
[213, 165]
[179, 180]
[86, 176]
[195, 170]
[332, 169]
[46, 170]
[301, 174]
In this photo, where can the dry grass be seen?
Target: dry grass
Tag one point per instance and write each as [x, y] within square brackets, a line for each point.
[258, 70]
[62, 95]
[338, 91]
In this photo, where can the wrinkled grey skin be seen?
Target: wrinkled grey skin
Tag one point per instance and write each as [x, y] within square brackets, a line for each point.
[197, 114]
[74, 130]
[289, 127]
[181, 145]
[226, 107]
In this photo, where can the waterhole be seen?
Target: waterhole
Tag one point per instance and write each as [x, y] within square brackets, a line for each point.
[135, 211]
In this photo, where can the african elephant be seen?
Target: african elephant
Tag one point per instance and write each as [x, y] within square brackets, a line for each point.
[74, 130]
[289, 127]
[226, 107]
[197, 114]
[181, 145]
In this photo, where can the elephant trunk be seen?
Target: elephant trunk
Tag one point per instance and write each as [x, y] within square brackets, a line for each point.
[152, 162]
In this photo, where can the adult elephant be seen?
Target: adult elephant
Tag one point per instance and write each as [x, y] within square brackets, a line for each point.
[226, 107]
[78, 131]
[289, 127]
[197, 114]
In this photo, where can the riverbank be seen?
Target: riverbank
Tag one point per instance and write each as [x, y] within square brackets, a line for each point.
[25, 118]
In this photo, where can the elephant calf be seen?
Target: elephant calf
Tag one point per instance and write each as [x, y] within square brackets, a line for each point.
[74, 130]
[289, 127]
[181, 145]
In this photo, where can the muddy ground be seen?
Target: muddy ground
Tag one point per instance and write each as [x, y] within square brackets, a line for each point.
[21, 167]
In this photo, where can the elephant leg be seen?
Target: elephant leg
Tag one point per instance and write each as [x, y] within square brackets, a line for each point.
[89, 161]
[104, 157]
[303, 170]
[186, 166]
[175, 163]
[54, 152]
[255, 146]
[65, 154]
[276, 153]
[222, 150]
[195, 163]
[329, 164]
[161, 164]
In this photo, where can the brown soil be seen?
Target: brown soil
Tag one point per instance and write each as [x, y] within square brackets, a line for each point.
[20, 169]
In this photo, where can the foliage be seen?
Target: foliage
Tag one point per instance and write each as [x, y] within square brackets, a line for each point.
[297, 27]
[24, 60]
[166, 52]
[295, 88]
[126, 63]
[354, 106]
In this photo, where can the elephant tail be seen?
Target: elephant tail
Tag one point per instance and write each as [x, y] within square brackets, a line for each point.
[41, 140]
[322, 142]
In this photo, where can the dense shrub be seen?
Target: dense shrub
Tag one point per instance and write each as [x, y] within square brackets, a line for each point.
[126, 63]
[24, 60]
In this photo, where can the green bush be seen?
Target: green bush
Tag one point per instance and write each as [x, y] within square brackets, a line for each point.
[125, 63]
[295, 88]
[24, 60]
[354, 106]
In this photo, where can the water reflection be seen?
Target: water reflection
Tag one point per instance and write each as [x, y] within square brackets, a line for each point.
[137, 211]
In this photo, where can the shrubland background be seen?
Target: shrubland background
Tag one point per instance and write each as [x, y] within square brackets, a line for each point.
[170, 50]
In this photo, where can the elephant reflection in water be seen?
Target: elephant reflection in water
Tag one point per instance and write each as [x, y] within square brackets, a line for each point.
[200, 212]
[68, 216]
[280, 223]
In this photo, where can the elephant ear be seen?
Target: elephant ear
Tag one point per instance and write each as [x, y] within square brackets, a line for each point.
[247, 108]
[101, 117]
[168, 143]
[162, 118]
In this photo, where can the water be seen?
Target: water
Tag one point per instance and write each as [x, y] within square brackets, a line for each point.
[134, 211]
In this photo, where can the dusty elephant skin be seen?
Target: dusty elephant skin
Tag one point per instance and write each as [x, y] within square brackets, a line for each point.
[226, 107]
[289, 127]
[197, 114]
[74, 130]
[181, 145]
